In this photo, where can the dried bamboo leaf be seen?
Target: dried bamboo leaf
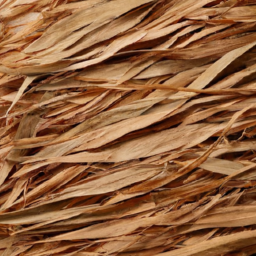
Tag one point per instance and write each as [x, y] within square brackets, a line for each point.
[127, 128]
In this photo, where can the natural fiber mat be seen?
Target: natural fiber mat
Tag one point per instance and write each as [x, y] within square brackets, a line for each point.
[127, 127]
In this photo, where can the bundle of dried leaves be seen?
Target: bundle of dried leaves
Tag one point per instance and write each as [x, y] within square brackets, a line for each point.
[127, 127]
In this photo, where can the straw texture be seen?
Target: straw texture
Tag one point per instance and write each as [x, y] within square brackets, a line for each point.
[127, 128]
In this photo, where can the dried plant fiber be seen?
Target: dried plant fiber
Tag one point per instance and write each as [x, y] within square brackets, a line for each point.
[127, 127]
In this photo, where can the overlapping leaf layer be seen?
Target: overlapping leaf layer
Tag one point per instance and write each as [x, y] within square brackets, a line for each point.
[127, 127]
